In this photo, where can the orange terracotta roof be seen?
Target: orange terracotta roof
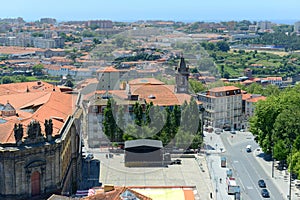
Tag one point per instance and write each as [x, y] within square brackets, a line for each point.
[256, 99]
[115, 194]
[67, 67]
[60, 59]
[36, 86]
[274, 78]
[185, 97]
[224, 89]
[163, 95]
[247, 81]
[24, 100]
[52, 67]
[44, 105]
[246, 96]
[107, 69]
[17, 50]
[81, 70]
[256, 79]
[58, 50]
[144, 81]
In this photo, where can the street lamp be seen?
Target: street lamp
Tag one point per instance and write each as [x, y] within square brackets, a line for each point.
[291, 171]
[272, 159]
[202, 109]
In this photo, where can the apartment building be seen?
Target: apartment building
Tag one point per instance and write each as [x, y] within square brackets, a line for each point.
[248, 107]
[100, 23]
[264, 25]
[223, 106]
[109, 78]
[24, 40]
[48, 21]
[297, 27]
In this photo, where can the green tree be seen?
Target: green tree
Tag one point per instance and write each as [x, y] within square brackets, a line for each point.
[223, 46]
[96, 41]
[120, 124]
[7, 80]
[38, 69]
[109, 122]
[196, 86]
[254, 88]
[69, 83]
[176, 116]
[271, 90]
[138, 114]
[262, 123]
[167, 129]
[149, 106]
[158, 119]
[280, 150]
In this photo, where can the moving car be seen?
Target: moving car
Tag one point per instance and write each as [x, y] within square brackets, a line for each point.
[261, 183]
[248, 148]
[265, 193]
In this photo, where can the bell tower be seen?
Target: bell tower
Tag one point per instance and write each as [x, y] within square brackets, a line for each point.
[182, 77]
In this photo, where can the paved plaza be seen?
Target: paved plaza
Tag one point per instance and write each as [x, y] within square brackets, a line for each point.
[191, 172]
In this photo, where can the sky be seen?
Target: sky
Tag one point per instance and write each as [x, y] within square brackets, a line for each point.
[133, 10]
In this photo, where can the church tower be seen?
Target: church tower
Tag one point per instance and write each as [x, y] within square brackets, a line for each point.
[182, 77]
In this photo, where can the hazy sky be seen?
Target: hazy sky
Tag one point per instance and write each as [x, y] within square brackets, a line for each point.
[132, 10]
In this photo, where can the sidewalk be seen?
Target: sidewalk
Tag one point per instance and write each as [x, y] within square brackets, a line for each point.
[214, 151]
[281, 178]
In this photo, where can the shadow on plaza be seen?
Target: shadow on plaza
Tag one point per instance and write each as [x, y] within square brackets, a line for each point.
[90, 174]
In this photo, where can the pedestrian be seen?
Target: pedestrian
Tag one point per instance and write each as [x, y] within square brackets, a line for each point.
[220, 180]
[106, 156]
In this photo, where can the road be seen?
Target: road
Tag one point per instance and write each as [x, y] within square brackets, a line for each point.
[245, 167]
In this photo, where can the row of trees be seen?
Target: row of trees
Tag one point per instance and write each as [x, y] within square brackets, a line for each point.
[277, 128]
[281, 39]
[178, 126]
[141, 56]
[219, 46]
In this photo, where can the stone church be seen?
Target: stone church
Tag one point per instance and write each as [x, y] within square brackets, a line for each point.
[39, 142]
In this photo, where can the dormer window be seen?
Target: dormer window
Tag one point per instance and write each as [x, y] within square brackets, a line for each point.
[151, 96]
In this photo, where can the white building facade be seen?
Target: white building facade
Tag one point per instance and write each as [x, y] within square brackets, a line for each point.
[223, 107]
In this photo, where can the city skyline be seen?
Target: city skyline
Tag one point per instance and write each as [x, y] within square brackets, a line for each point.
[133, 10]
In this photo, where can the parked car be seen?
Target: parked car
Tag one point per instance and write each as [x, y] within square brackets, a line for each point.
[177, 162]
[226, 128]
[265, 193]
[261, 183]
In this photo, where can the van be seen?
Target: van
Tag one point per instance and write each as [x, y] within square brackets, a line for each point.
[223, 161]
[248, 148]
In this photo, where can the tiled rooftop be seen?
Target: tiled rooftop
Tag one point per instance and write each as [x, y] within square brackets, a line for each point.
[37, 104]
